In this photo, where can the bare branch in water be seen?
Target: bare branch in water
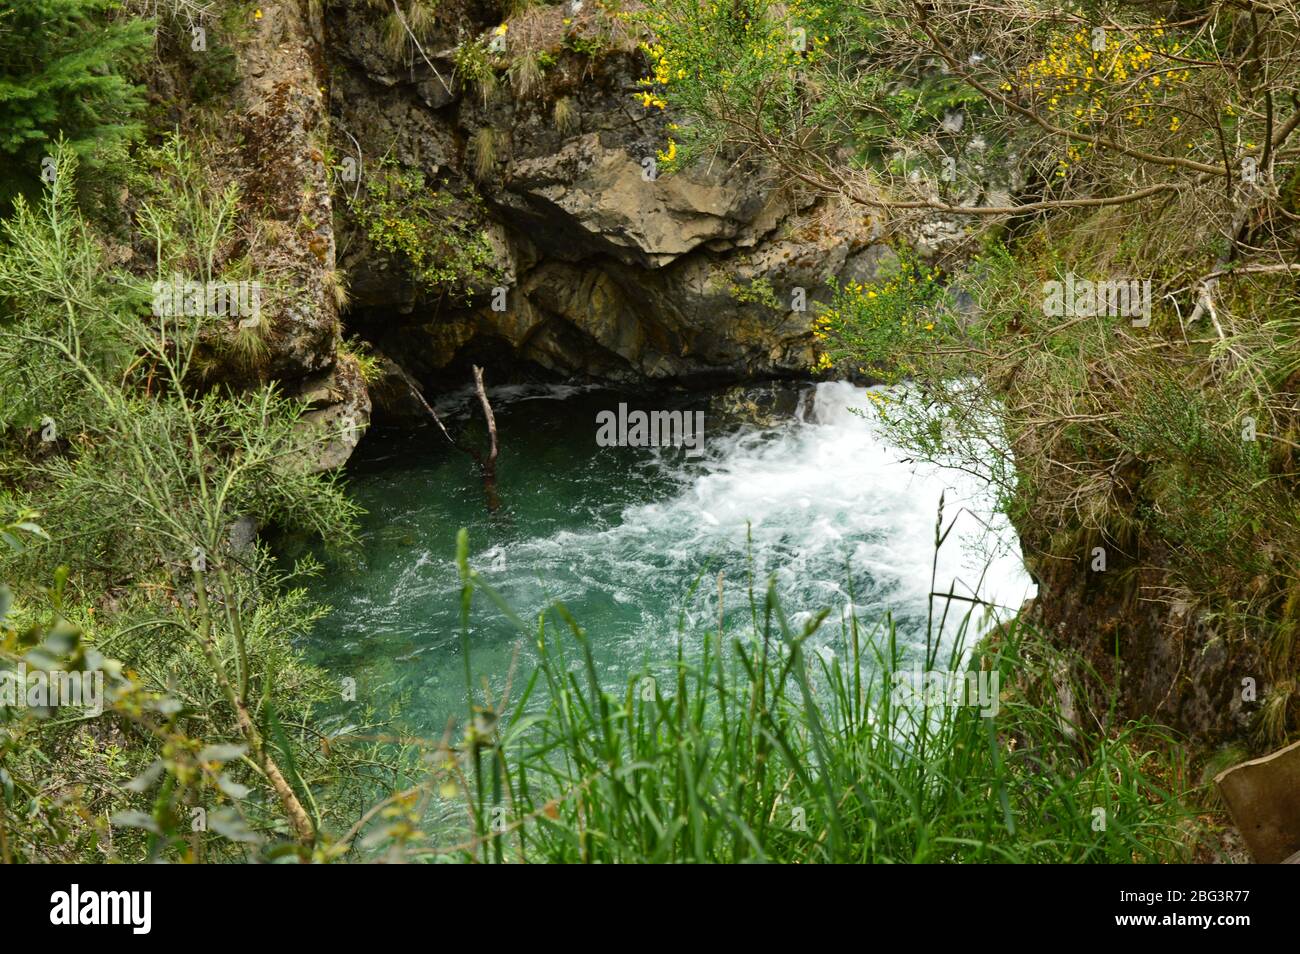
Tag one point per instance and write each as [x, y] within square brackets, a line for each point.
[488, 464]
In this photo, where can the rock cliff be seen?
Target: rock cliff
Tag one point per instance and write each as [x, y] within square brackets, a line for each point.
[611, 268]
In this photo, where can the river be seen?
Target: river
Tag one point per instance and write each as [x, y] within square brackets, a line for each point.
[803, 489]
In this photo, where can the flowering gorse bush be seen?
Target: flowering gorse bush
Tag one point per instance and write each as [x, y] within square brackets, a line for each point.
[1100, 78]
[877, 326]
[751, 52]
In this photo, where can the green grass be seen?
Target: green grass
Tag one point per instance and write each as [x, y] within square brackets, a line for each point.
[761, 750]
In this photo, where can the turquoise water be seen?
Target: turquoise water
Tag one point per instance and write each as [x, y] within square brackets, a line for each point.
[621, 535]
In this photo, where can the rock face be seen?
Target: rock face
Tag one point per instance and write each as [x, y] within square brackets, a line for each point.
[282, 126]
[285, 183]
[599, 259]
[611, 268]
[1136, 657]
[339, 410]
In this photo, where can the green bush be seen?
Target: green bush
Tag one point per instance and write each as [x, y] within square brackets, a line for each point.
[64, 72]
[881, 325]
[140, 478]
[401, 214]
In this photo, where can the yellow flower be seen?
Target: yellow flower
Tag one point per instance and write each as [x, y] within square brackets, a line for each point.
[501, 30]
[257, 14]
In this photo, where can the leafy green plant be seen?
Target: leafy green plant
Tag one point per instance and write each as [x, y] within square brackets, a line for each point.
[144, 483]
[360, 352]
[757, 292]
[402, 214]
[592, 46]
[881, 324]
[474, 64]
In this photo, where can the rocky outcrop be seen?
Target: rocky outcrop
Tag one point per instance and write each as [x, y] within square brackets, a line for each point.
[339, 410]
[286, 190]
[610, 268]
[603, 261]
[1137, 647]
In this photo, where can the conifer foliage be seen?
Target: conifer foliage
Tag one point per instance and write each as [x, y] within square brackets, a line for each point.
[64, 72]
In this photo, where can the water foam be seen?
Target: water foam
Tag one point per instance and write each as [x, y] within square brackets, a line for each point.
[828, 505]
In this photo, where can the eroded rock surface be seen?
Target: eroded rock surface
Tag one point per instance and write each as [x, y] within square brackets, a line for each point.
[282, 120]
[613, 271]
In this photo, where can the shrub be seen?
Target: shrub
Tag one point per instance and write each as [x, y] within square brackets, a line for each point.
[401, 214]
[64, 67]
[140, 481]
